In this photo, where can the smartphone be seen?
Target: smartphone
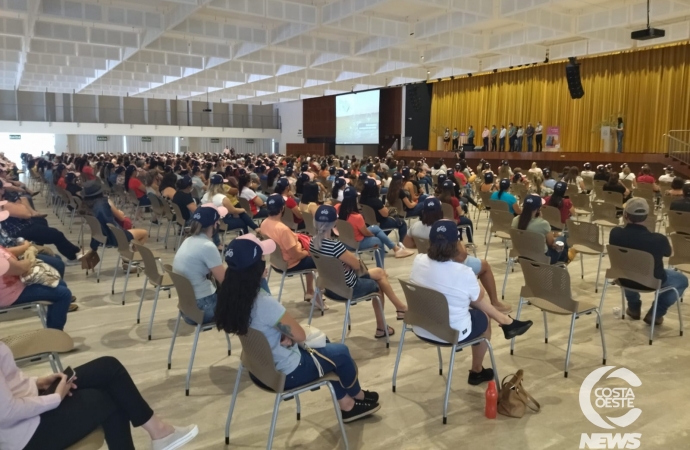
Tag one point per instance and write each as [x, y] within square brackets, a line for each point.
[53, 386]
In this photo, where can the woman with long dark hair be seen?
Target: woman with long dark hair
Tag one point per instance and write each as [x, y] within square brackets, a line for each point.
[397, 192]
[246, 192]
[614, 185]
[337, 191]
[372, 198]
[559, 200]
[573, 178]
[459, 210]
[242, 304]
[132, 183]
[530, 219]
[619, 135]
[310, 197]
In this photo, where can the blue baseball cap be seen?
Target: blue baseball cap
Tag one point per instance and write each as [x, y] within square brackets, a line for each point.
[505, 184]
[488, 177]
[243, 253]
[340, 182]
[217, 179]
[274, 204]
[288, 171]
[206, 216]
[350, 192]
[397, 176]
[448, 183]
[325, 214]
[370, 182]
[363, 176]
[281, 185]
[532, 203]
[432, 204]
[560, 188]
[443, 231]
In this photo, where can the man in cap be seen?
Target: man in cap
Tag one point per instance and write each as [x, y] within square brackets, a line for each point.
[636, 236]
[683, 203]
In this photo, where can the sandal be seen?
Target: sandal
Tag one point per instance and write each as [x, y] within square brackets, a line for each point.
[400, 315]
[391, 332]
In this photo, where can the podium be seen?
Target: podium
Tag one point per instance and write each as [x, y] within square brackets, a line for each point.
[607, 136]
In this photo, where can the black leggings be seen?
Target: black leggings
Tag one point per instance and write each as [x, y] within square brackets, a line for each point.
[40, 233]
[106, 397]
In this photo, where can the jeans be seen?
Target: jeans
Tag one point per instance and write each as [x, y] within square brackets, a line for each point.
[427, 182]
[400, 225]
[518, 144]
[620, 142]
[60, 297]
[557, 256]
[371, 242]
[53, 261]
[486, 144]
[243, 221]
[673, 279]
[493, 143]
[40, 233]
[464, 220]
[207, 305]
[470, 141]
[502, 145]
[417, 210]
[529, 143]
[107, 398]
[261, 213]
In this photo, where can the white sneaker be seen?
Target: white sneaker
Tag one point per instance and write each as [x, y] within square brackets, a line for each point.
[178, 439]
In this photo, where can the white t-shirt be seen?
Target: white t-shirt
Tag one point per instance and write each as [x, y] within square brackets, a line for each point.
[587, 173]
[630, 176]
[536, 170]
[217, 199]
[666, 178]
[419, 230]
[454, 280]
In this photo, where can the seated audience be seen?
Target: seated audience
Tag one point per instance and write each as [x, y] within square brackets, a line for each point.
[488, 185]
[247, 193]
[676, 187]
[167, 185]
[397, 192]
[682, 204]
[371, 197]
[560, 201]
[646, 177]
[531, 220]
[636, 236]
[102, 395]
[283, 188]
[549, 182]
[504, 196]
[237, 218]
[572, 177]
[626, 174]
[183, 197]
[614, 185]
[439, 269]
[374, 281]
[448, 196]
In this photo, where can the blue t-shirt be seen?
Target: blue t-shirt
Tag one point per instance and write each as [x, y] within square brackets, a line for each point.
[506, 197]
[265, 315]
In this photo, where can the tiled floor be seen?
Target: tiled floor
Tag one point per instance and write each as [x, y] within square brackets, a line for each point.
[410, 418]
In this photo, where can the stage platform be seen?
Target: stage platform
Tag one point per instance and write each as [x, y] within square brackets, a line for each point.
[553, 160]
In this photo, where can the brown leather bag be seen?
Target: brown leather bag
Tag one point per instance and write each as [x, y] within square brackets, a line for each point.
[513, 400]
[90, 260]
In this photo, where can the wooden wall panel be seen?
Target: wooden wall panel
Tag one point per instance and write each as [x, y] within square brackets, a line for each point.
[319, 118]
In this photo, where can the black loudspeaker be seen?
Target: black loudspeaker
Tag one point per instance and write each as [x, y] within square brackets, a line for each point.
[572, 74]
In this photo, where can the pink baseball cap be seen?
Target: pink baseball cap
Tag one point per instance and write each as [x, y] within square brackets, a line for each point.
[222, 210]
[4, 266]
[268, 246]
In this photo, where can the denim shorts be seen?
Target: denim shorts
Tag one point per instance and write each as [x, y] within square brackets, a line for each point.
[364, 287]
[473, 263]
[304, 264]
[208, 306]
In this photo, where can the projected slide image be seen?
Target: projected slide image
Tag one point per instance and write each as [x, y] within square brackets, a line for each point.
[357, 118]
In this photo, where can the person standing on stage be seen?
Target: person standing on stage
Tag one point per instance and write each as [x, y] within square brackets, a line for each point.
[494, 134]
[619, 134]
[470, 137]
[502, 139]
[529, 132]
[456, 136]
[446, 139]
[485, 138]
[538, 133]
[512, 131]
[518, 138]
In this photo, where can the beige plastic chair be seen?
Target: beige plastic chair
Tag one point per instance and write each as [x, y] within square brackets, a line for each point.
[157, 213]
[630, 264]
[428, 309]
[169, 216]
[483, 206]
[519, 190]
[370, 218]
[612, 198]
[628, 184]
[572, 190]
[582, 204]
[448, 211]
[552, 215]
[680, 260]
[606, 216]
[586, 239]
[589, 183]
[421, 244]
[186, 304]
[179, 219]
[548, 288]
[258, 360]
[126, 255]
[244, 204]
[331, 284]
[500, 224]
[38, 345]
[646, 194]
[647, 186]
[280, 265]
[309, 223]
[40, 307]
[288, 218]
[347, 237]
[97, 235]
[94, 441]
[155, 277]
[223, 230]
[526, 244]
[678, 222]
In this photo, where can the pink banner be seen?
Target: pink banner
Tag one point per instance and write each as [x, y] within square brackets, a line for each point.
[553, 138]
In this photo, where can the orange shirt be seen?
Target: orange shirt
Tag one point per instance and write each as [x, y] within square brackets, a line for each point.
[357, 222]
[11, 286]
[284, 238]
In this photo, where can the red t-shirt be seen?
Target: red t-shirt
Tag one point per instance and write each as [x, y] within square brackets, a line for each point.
[87, 172]
[291, 203]
[62, 183]
[455, 203]
[461, 178]
[565, 208]
[357, 222]
[645, 179]
[137, 186]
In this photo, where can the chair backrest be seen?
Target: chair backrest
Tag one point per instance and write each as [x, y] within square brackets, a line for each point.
[581, 201]
[122, 242]
[448, 211]
[156, 205]
[552, 215]
[264, 185]
[309, 223]
[258, 359]
[630, 264]
[572, 191]
[150, 264]
[528, 244]
[277, 260]
[288, 218]
[678, 221]
[628, 184]
[186, 300]
[599, 183]
[331, 275]
[605, 211]
[589, 183]
[613, 198]
[501, 220]
[647, 186]
[428, 309]
[244, 203]
[646, 194]
[178, 214]
[96, 230]
[421, 244]
[548, 283]
[369, 214]
[498, 205]
[399, 206]
[346, 234]
[519, 189]
[584, 233]
[681, 249]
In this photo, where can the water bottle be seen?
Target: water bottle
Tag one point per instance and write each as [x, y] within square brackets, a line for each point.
[616, 312]
[491, 406]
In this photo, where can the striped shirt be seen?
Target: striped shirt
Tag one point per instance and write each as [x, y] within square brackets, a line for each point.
[335, 249]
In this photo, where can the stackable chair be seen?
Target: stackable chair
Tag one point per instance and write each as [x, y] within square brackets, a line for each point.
[586, 239]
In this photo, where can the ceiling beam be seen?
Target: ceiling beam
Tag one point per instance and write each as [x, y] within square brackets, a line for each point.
[31, 15]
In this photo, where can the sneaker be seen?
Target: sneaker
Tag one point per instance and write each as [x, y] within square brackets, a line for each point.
[634, 315]
[178, 439]
[516, 328]
[648, 318]
[73, 262]
[402, 252]
[74, 299]
[73, 307]
[361, 409]
[371, 396]
[477, 378]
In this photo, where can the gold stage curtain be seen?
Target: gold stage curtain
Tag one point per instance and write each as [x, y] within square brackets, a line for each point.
[650, 89]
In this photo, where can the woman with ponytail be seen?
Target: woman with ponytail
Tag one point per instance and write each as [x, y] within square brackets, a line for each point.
[503, 195]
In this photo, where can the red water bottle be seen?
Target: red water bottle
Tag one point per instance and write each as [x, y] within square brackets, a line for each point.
[491, 401]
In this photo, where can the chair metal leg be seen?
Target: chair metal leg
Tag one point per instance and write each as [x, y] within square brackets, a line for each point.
[304, 286]
[596, 283]
[385, 324]
[603, 339]
[100, 264]
[232, 404]
[656, 304]
[167, 233]
[488, 244]
[680, 316]
[448, 383]
[601, 302]
[440, 361]
[570, 343]
[397, 358]
[117, 264]
[141, 299]
[505, 279]
[227, 338]
[282, 282]
[546, 328]
[274, 419]
[53, 364]
[517, 317]
[298, 407]
[487, 234]
[493, 361]
[311, 311]
[42, 315]
[56, 357]
[347, 315]
[124, 289]
[582, 266]
[197, 331]
[172, 342]
[336, 408]
[153, 310]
